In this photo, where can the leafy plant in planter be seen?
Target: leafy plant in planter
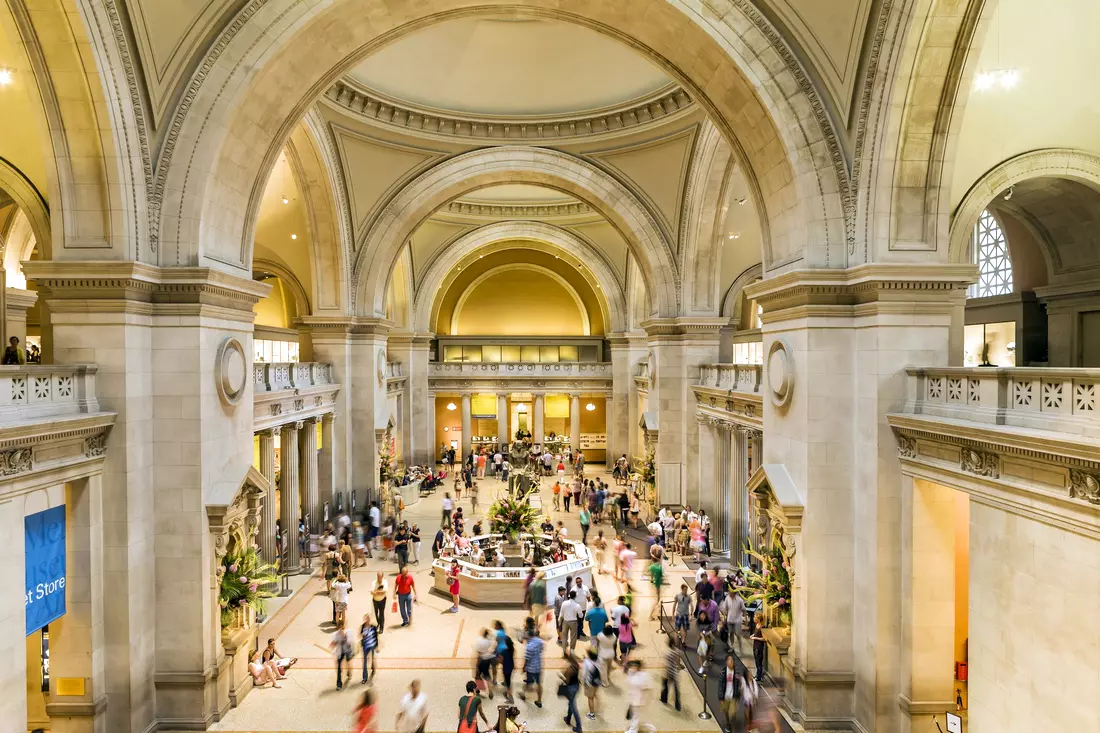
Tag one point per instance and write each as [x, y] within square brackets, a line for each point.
[510, 516]
[244, 579]
[772, 584]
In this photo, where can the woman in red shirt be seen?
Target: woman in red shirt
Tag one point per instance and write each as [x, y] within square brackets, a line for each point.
[452, 584]
[366, 714]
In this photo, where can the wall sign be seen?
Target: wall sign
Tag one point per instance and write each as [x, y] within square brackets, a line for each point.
[593, 441]
[44, 540]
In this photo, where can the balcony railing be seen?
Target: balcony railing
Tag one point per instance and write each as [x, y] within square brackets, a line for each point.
[731, 377]
[35, 391]
[278, 376]
[600, 370]
[394, 370]
[1064, 400]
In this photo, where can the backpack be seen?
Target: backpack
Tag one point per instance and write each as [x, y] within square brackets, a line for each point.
[594, 676]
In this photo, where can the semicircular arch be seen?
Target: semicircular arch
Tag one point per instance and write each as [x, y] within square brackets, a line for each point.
[29, 201]
[1062, 163]
[506, 235]
[582, 309]
[471, 171]
[255, 82]
[301, 297]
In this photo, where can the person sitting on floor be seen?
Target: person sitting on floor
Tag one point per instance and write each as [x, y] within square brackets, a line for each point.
[263, 673]
[282, 664]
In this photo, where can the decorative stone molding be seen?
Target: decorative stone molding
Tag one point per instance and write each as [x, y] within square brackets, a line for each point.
[907, 447]
[979, 463]
[231, 371]
[462, 207]
[238, 520]
[667, 103]
[780, 370]
[17, 460]
[95, 445]
[1084, 485]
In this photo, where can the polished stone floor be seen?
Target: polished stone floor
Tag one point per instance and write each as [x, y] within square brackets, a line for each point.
[437, 649]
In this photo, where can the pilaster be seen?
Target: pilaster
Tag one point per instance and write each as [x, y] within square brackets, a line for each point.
[503, 438]
[836, 343]
[412, 350]
[270, 514]
[574, 422]
[622, 416]
[326, 467]
[539, 430]
[467, 427]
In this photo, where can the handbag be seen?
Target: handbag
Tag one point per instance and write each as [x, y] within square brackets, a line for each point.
[393, 608]
[563, 690]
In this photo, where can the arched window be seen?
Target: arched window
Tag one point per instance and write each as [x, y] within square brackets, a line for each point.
[991, 256]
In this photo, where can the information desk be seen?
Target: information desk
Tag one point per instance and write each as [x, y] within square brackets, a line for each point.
[503, 586]
[410, 492]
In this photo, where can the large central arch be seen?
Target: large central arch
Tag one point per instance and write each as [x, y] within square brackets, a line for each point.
[377, 253]
[515, 235]
[269, 65]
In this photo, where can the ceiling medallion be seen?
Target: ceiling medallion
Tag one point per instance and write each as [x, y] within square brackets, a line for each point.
[230, 371]
[780, 371]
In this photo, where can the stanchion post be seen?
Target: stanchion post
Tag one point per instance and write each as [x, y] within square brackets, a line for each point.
[703, 714]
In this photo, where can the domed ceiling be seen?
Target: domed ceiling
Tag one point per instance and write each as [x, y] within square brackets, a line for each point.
[510, 68]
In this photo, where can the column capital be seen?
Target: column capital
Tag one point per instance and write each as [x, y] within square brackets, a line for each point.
[267, 432]
[346, 325]
[684, 326]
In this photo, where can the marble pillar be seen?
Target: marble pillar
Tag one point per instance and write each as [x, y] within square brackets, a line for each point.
[466, 448]
[503, 437]
[417, 441]
[289, 496]
[622, 419]
[307, 460]
[270, 513]
[612, 451]
[326, 468]
[433, 444]
[739, 495]
[574, 422]
[538, 430]
[709, 485]
[720, 513]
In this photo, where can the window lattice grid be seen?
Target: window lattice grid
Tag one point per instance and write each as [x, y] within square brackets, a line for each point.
[992, 258]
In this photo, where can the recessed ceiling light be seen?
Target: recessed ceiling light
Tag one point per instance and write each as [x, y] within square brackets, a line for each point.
[735, 235]
[293, 236]
[452, 406]
[742, 201]
[590, 407]
[286, 200]
[1003, 78]
[7, 76]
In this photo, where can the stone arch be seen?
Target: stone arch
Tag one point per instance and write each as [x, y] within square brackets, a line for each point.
[264, 70]
[29, 201]
[301, 297]
[320, 181]
[1059, 164]
[733, 302]
[586, 323]
[514, 235]
[462, 174]
[706, 205]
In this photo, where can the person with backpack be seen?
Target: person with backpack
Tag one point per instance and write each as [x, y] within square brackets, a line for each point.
[469, 708]
[507, 666]
[341, 644]
[368, 640]
[729, 690]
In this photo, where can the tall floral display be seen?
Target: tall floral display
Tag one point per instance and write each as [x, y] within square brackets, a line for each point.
[771, 583]
[386, 472]
[511, 515]
[645, 474]
[244, 584]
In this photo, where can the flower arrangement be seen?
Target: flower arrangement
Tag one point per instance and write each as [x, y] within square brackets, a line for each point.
[510, 516]
[244, 579]
[772, 584]
[645, 474]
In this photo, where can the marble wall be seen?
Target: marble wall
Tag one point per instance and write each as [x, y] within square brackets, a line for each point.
[1034, 640]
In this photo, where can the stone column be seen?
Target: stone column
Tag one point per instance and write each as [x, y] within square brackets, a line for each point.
[412, 350]
[709, 475]
[720, 521]
[270, 511]
[739, 495]
[467, 428]
[825, 427]
[289, 495]
[433, 451]
[612, 451]
[307, 458]
[623, 417]
[574, 422]
[326, 467]
[538, 430]
[503, 437]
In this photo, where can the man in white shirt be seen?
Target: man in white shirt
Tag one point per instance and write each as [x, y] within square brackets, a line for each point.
[412, 716]
[375, 516]
[733, 608]
[547, 461]
[616, 613]
[571, 615]
[448, 507]
[638, 687]
[584, 595]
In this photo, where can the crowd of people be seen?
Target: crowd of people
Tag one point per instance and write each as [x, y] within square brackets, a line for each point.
[597, 638]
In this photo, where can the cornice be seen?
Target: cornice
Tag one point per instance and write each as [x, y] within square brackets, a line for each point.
[517, 211]
[684, 326]
[368, 104]
[326, 325]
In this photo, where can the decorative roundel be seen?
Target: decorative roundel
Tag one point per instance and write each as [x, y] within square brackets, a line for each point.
[231, 371]
[780, 373]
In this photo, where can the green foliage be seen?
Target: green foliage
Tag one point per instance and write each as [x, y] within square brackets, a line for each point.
[244, 580]
[510, 516]
[772, 584]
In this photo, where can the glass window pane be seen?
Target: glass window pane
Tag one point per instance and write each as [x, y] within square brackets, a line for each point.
[568, 353]
[990, 253]
[452, 353]
[471, 353]
[529, 354]
[548, 354]
[491, 354]
[588, 354]
[511, 353]
[257, 350]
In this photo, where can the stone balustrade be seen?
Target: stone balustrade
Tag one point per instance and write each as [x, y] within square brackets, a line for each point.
[643, 371]
[395, 370]
[600, 370]
[36, 391]
[277, 376]
[1053, 399]
[731, 377]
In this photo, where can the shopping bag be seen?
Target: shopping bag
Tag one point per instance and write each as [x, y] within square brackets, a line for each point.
[393, 608]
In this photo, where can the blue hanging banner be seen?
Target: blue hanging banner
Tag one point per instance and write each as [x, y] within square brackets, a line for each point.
[44, 535]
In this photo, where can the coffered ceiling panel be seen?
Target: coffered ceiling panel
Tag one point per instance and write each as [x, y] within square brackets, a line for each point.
[169, 33]
[375, 170]
[657, 170]
[831, 34]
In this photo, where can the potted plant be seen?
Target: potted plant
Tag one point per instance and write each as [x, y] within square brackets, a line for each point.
[771, 584]
[511, 516]
[244, 583]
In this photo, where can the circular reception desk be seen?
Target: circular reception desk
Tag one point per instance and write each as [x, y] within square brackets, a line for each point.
[503, 586]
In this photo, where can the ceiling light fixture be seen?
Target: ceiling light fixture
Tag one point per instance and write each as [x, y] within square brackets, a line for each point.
[1011, 190]
[997, 78]
[590, 407]
[286, 200]
[742, 201]
[446, 429]
[452, 406]
[521, 408]
[293, 236]
[735, 235]
[7, 76]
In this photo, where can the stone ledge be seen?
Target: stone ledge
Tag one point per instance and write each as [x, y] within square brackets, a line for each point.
[77, 709]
